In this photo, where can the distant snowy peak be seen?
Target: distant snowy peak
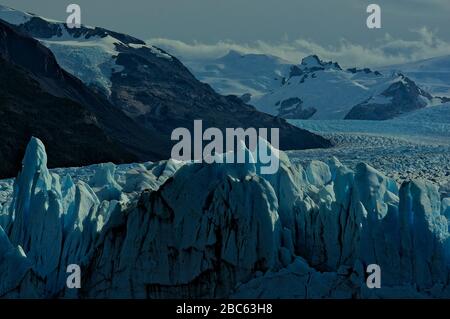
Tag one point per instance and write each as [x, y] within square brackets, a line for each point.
[234, 55]
[241, 74]
[257, 61]
[364, 70]
[312, 63]
[401, 97]
[431, 74]
[316, 89]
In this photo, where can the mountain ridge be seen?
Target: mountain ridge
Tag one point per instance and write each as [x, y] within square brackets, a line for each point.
[151, 86]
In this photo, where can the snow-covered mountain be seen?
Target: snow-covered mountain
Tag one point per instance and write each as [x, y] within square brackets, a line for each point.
[178, 230]
[247, 75]
[401, 97]
[314, 89]
[323, 90]
[433, 74]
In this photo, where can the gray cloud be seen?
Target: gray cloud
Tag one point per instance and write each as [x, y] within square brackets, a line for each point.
[387, 50]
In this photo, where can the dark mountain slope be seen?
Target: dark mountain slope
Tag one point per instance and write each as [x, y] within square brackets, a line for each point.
[67, 128]
[39, 98]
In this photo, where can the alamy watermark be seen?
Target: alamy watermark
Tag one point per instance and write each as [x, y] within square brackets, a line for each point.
[74, 19]
[374, 19]
[374, 276]
[73, 280]
[239, 146]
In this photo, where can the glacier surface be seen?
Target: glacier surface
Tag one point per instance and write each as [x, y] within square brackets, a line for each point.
[415, 145]
[179, 230]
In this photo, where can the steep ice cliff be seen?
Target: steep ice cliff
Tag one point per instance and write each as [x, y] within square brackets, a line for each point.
[176, 230]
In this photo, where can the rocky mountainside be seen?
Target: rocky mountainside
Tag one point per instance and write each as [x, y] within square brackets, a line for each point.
[148, 84]
[304, 232]
[39, 98]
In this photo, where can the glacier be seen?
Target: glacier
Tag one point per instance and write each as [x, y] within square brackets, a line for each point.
[192, 230]
[413, 146]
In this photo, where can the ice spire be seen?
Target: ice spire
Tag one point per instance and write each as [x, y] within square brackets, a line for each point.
[33, 178]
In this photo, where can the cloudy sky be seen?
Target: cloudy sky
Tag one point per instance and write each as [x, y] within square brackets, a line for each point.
[411, 29]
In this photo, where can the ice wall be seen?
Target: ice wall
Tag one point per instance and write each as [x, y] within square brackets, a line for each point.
[177, 230]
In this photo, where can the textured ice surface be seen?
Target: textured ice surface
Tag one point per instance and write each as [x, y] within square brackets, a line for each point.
[416, 145]
[178, 230]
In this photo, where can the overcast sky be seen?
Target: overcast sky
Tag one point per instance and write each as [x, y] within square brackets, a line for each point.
[330, 26]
